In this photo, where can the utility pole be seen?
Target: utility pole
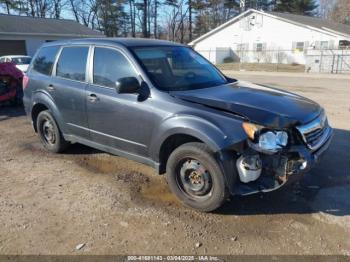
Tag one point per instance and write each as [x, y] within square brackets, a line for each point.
[242, 5]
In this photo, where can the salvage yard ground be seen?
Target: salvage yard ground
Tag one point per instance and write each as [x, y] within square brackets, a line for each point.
[50, 203]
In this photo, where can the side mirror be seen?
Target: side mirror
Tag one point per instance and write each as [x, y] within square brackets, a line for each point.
[127, 85]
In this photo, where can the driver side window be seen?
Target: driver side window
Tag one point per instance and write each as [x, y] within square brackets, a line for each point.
[109, 66]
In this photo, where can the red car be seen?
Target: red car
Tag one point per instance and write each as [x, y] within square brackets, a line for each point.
[10, 83]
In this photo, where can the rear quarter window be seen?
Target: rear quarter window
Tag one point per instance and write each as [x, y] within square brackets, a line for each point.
[45, 60]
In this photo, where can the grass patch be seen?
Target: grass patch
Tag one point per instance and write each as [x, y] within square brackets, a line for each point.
[262, 67]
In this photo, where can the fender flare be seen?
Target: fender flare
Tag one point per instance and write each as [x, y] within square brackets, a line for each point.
[208, 133]
[194, 126]
[46, 100]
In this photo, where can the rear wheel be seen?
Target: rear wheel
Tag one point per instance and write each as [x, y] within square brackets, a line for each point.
[49, 133]
[195, 177]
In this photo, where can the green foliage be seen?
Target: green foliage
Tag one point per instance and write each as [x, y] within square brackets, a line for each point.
[228, 59]
[259, 4]
[300, 7]
[9, 5]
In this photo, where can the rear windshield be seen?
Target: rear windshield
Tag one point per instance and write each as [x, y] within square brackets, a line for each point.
[45, 59]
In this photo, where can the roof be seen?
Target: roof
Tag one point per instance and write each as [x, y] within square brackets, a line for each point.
[315, 22]
[25, 25]
[128, 42]
[306, 21]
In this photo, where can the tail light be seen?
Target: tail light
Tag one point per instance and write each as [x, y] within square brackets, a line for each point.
[25, 81]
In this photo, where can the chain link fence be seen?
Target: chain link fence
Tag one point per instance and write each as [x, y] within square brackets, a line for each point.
[335, 61]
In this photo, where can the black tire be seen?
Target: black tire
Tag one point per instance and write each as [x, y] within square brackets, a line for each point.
[211, 192]
[49, 133]
[19, 95]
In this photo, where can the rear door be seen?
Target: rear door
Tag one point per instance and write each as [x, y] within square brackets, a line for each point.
[68, 88]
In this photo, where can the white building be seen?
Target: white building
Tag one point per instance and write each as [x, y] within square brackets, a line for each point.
[22, 35]
[270, 37]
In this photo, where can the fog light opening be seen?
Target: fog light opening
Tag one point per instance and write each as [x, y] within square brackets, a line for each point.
[249, 168]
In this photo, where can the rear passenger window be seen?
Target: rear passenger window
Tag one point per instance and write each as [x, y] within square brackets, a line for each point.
[45, 59]
[109, 66]
[72, 63]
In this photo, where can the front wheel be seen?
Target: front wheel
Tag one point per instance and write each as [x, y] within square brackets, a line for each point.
[195, 177]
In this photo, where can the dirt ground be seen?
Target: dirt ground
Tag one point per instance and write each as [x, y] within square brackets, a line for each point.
[51, 203]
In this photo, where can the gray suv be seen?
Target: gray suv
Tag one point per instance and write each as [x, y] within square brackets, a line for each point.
[164, 105]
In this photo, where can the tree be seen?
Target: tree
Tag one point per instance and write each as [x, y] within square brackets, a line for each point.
[259, 4]
[132, 17]
[9, 5]
[176, 23]
[190, 13]
[85, 12]
[300, 7]
[212, 13]
[155, 18]
[325, 7]
[111, 17]
[340, 12]
[305, 7]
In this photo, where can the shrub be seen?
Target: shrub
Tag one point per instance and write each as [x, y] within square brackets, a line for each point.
[228, 59]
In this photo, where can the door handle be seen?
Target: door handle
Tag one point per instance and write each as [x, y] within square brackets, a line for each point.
[50, 87]
[93, 97]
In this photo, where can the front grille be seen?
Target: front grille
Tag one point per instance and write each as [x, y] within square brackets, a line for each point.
[315, 133]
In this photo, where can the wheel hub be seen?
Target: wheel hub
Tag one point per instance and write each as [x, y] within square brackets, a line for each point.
[49, 132]
[195, 179]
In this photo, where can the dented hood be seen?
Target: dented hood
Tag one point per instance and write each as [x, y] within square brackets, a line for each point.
[259, 104]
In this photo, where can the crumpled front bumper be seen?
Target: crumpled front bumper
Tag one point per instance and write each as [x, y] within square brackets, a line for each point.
[283, 168]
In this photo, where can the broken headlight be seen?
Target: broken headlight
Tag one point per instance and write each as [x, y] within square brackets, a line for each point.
[265, 140]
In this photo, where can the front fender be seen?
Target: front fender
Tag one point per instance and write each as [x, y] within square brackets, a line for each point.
[212, 135]
[45, 99]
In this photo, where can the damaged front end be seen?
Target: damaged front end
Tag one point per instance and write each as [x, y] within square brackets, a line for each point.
[269, 158]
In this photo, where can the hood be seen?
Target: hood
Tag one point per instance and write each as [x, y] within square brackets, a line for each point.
[259, 104]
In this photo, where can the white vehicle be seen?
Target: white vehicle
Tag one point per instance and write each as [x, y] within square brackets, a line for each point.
[21, 62]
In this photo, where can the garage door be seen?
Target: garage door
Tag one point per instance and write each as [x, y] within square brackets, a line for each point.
[12, 47]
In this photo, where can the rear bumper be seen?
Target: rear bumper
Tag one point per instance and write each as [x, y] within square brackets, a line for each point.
[284, 168]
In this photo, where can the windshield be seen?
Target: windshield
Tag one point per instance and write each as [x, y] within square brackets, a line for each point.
[21, 60]
[175, 68]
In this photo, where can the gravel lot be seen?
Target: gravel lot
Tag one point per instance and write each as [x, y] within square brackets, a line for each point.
[50, 203]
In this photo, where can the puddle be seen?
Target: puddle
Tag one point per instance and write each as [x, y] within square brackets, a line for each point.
[109, 164]
[158, 190]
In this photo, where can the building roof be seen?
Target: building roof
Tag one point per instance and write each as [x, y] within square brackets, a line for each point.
[315, 22]
[25, 25]
[306, 21]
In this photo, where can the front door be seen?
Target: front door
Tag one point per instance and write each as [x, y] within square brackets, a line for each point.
[116, 120]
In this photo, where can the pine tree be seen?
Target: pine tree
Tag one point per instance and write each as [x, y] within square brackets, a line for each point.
[284, 6]
[300, 7]
[305, 7]
[259, 4]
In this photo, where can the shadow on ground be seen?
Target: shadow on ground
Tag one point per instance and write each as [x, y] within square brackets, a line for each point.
[7, 112]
